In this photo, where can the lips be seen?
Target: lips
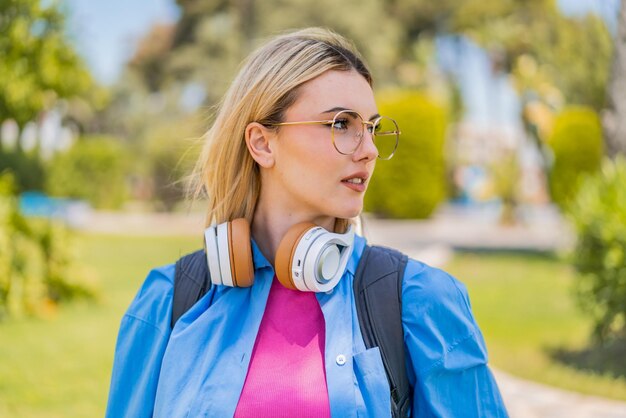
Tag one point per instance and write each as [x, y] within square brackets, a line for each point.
[360, 176]
[356, 181]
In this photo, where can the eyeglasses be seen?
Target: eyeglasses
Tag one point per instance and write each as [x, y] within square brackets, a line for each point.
[347, 130]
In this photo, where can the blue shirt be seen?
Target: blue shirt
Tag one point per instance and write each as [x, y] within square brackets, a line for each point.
[198, 369]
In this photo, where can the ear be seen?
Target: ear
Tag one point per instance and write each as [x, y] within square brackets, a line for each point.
[258, 142]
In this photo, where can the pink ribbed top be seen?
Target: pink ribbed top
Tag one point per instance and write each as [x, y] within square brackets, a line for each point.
[286, 376]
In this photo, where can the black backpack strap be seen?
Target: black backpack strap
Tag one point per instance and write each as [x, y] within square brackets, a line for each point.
[378, 295]
[191, 282]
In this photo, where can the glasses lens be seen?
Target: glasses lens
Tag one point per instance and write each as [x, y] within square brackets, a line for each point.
[386, 135]
[347, 131]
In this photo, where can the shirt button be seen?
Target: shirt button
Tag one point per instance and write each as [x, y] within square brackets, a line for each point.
[341, 359]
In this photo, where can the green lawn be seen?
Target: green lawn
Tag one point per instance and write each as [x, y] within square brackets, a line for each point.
[60, 366]
[525, 307]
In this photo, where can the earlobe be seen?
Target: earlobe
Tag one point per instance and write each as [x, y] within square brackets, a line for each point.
[257, 139]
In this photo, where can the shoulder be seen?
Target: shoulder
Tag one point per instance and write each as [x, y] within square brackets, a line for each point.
[430, 288]
[153, 302]
[438, 320]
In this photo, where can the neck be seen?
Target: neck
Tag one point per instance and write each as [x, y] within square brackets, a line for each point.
[272, 220]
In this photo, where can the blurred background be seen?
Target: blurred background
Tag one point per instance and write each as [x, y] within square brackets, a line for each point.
[510, 174]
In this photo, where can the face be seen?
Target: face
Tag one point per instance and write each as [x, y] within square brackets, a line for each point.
[309, 176]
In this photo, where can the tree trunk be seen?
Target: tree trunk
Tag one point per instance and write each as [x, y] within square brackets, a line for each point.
[614, 118]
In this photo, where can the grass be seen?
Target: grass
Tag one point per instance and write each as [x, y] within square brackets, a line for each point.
[60, 366]
[526, 309]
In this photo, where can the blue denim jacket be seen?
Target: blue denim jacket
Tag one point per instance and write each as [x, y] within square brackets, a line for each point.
[198, 369]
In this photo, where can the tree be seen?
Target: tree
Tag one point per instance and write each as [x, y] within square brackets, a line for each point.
[37, 65]
[568, 56]
[151, 51]
[212, 37]
[614, 120]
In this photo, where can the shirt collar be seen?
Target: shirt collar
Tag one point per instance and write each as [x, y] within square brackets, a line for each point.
[357, 251]
[258, 258]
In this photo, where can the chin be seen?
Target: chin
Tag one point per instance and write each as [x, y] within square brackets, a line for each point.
[350, 212]
[346, 208]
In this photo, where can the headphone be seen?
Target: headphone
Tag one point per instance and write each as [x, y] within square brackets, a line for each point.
[309, 258]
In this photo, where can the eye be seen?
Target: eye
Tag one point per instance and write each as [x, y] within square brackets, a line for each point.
[340, 124]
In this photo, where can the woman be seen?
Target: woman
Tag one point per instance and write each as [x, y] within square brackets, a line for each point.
[295, 140]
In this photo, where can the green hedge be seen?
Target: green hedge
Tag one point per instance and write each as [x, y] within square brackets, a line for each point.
[413, 182]
[27, 168]
[576, 143]
[37, 266]
[599, 216]
[94, 169]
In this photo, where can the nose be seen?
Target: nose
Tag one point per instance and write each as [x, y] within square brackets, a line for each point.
[367, 148]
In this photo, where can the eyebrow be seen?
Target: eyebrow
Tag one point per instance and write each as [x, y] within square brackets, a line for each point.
[339, 109]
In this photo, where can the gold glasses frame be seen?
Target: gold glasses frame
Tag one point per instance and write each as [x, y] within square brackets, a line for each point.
[366, 123]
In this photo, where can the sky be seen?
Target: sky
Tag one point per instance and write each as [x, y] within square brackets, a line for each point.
[105, 32]
[605, 8]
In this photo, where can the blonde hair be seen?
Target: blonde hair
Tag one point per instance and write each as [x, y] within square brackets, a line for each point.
[266, 85]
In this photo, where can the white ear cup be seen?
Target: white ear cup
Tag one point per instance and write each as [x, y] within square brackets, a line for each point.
[212, 255]
[224, 254]
[320, 259]
[328, 264]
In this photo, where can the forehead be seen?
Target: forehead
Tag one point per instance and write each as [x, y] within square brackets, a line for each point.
[347, 89]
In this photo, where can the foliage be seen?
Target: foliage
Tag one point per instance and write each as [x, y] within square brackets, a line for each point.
[575, 55]
[37, 64]
[553, 59]
[550, 56]
[413, 182]
[39, 71]
[172, 149]
[506, 173]
[95, 169]
[37, 268]
[210, 39]
[576, 143]
[65, 279]
[27, 168]
[599, 217]
[614, 114]
[7, 212]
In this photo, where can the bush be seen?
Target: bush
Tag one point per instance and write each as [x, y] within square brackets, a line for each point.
[413, 182]
[172, 148]
[576, 142]
[37, 268]
[599, 217]
[27, 168]
[94, 169]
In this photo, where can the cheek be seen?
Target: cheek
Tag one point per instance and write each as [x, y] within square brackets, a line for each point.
[319, 173]
[371, 166]
[314, 162]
